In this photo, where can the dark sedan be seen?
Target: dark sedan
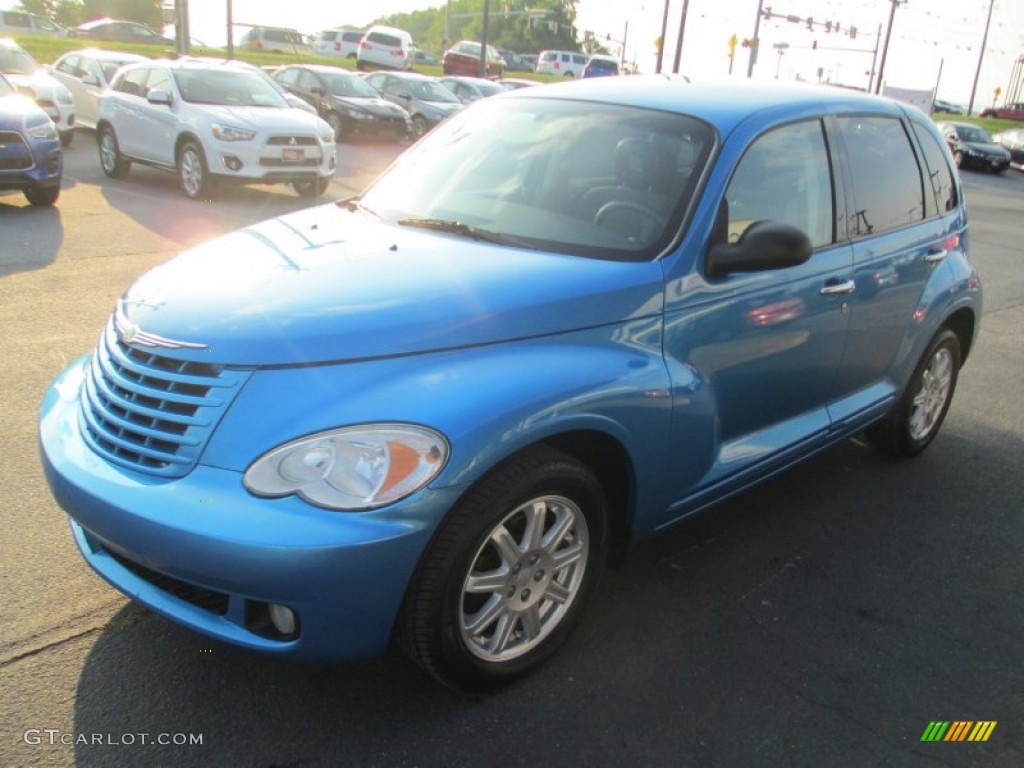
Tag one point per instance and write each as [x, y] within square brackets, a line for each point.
[119, 32]
[1013, 142]
[973, 147]
[348, 103]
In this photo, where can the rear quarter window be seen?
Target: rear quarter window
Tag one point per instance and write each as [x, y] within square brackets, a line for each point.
[938, 171]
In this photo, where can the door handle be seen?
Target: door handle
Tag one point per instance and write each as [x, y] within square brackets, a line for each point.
[837, 289]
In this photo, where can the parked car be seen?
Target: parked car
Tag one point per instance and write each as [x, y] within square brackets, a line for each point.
[1014, 111]
[119, 32]
[515, 83]
[275, 40]
[470, 89]
[86, 74]
[25, 23]
[211, 122]
[515, 62]
[973, 147]
[30, 155]
[341, 43]
[386, 48]
[463, 58]
[1013, 142]
[563, 63]
[565, 320]
[350, 105]
[29, 77]
[601, 66]
[426, 59]
[948, 107]
[427, 101]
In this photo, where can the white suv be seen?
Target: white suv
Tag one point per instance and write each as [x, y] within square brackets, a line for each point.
[211, 122]
[27, 75]
[386, 48]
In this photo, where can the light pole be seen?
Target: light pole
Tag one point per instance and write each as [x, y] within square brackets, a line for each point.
[981, 57]
[885, 48]
[755, 41]
[661, 48]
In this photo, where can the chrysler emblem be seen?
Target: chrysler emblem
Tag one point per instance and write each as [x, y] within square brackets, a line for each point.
[131, 333]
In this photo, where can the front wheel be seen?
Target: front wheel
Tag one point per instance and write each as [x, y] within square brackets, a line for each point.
[508, 574]
[916, 419]
[113, 164]
[42, 196]
[311, 188]
[958, 158]
[193, 174]
[419, 126]
[334, 120]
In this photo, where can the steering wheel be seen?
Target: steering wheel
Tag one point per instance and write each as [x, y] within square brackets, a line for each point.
[629, 205]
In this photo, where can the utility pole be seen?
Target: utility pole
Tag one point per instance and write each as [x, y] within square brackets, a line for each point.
[231, 32]
[755, 42]
[625, 36]
[679, 42]
[483, 40]
[885, 48]
[981, 56]
[661, 48]
[874, 59]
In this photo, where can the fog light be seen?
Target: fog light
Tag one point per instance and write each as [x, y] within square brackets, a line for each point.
[231, 162]
[283, 619]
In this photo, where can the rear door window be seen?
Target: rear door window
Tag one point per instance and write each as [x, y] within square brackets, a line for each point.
[887, 188]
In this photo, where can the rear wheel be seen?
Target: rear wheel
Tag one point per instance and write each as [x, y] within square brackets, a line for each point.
[193, 174]
[509, 572]
[916, 419]
[419, 126]
[113, 164]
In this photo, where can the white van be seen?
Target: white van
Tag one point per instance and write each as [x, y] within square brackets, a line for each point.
[276, 40]
[564, 63]
[386, 48]
[340, 43]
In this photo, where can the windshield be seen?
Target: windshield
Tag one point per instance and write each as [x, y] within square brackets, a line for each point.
[428, 90]
[16, 62]
[595, 180]
[350, 85]
[974, 134]
[234, 89]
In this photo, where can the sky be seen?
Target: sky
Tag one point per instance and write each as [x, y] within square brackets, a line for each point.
[934, 43]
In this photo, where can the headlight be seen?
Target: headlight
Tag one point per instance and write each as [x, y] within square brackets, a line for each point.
[351, 468]
[356, 114]
[327, 134]
[230, 133]
[45, 130]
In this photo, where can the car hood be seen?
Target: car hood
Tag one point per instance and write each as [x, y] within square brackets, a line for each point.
[328, 284]
[266, 118]
[984, 148]
[43, 84]
[16, 110]
[373, 105]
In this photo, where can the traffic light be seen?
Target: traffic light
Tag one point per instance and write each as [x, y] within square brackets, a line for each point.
[828, 26]
[853, 33]
[810, 23]
[767, 12]
[746, 42]
[814, 45]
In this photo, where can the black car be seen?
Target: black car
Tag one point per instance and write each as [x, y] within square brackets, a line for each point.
[349, 104]
[119, 32]
[973, 147]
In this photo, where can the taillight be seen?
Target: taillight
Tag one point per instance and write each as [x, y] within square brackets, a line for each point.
[952, 243]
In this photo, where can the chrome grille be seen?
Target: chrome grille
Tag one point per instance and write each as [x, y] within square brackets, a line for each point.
[150, 412]
[292, 141]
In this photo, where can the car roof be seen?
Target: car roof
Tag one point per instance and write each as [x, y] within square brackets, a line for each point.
[723, 104]
[103, 55]
[325, 69]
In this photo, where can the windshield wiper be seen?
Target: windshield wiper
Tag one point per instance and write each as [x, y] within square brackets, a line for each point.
[355, 204]
[462, 229]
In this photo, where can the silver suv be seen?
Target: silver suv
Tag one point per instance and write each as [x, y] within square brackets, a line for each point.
[211, 122]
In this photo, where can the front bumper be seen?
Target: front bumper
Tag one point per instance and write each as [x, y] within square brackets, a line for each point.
[252, 163]
[205, 553]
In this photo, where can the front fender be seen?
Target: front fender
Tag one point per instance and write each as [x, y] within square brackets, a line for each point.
[489, 401]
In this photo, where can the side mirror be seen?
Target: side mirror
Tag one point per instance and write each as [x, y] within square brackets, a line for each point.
[159, 96]
[763, 245]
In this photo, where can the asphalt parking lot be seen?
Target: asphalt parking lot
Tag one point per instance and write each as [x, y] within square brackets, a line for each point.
[823, 620]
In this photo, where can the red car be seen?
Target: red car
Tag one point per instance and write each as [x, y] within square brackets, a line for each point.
[463, 58]
[1013, 111]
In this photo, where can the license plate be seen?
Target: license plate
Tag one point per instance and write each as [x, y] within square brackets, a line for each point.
[292, 155]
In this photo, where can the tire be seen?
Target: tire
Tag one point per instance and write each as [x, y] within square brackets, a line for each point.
[113, 164]
[66, 138]
[915, 421]
[496, 594]
[334, 120]
[193, 173]
[43, 196]
[419, 126]
[958, 158]
[311, 188]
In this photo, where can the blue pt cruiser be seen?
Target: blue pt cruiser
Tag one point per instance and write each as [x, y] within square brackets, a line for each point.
[568, 318]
